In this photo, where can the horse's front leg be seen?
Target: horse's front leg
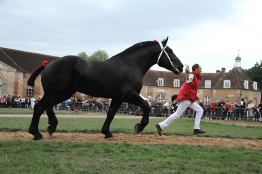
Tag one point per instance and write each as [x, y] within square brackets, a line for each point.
[110, 116]
[136, 99]
[52, 121]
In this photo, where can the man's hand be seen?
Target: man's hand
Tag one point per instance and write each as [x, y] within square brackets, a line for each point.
[187, 71]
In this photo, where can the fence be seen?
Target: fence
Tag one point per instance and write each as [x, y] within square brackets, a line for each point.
[161, 111]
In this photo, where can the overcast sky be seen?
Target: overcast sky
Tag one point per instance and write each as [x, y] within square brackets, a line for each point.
[208, 32]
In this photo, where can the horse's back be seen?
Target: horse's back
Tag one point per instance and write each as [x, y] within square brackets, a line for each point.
[59, 73]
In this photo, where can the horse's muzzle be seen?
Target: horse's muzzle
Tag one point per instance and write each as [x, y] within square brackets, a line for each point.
[176, 71]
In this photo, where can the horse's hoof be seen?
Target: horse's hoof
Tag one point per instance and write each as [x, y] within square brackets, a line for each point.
[108, 135]
[38, 136]
[49, 130]
[137, 128]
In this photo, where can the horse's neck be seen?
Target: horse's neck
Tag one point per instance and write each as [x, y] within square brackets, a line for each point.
[141, 61]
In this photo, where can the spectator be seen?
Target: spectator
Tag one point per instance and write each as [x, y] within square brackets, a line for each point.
[32, 100]
[237, 110]
[256, 113]
[67, 104]
[3, 102]
[250, 109]
[8, 101]
[166, 107]
[242, 108]
[226, 108]
[212, 109]
[23, 102]
[27, 102]
[260, 109]
[203, 107]
[13, 104]
[219, 108]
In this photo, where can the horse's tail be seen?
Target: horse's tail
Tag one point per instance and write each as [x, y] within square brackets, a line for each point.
[36, 72]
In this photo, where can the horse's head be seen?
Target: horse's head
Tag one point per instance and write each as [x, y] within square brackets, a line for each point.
[167, 59]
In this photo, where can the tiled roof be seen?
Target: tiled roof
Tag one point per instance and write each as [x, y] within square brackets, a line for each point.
[214, 77]
[236, 77]
[23, 61]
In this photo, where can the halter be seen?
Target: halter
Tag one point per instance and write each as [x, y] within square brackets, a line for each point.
[163, 50]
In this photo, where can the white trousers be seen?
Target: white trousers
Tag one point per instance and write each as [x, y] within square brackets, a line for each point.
[180, 109]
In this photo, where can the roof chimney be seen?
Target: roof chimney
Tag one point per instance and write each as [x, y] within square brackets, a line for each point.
[223, 72]
[217, 71]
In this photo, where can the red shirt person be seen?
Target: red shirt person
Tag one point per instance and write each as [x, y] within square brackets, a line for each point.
[187, 96]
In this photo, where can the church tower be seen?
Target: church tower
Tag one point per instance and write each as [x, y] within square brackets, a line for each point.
[238, 61]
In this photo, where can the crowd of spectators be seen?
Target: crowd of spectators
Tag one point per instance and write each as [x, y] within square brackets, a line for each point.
[91, 104]
[17, 102]
[224, 110]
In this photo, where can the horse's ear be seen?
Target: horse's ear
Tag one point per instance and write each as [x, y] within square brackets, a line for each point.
[165, 41]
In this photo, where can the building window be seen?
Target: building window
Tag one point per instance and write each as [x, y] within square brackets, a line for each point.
[149, 95]
[246, 84]
[160, 82]
[227, 83]
[30, 91]
[161, 97]
[207, 83]
[206, 100]
[255, 85]
[176, 82]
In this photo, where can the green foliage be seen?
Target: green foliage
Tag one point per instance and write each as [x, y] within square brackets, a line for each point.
[83, 55]
[99, 55]
[255, 73]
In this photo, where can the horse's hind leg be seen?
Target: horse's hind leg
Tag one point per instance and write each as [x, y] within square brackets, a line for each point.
[52, 121]
[54, 99]
[38, 111]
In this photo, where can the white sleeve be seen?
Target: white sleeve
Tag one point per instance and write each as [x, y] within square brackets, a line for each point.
[190, 78]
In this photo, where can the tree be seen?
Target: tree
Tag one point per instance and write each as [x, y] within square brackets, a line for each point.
[255, 73]
[83, 55]
[99, 55]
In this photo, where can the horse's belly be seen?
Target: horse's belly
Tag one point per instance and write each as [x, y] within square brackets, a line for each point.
[96, 91]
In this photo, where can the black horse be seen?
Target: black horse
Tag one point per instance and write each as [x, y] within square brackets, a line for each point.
[119, 78]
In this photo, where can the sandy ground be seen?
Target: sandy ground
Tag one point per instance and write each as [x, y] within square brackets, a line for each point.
[141, 138]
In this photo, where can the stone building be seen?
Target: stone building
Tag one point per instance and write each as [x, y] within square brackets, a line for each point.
[17, 65]
[15, 68]
[229, 86]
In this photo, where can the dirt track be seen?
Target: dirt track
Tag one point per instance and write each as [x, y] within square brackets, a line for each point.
[143, 138]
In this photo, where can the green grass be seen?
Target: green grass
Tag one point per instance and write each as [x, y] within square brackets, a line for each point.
[30, 111]
[27, 111]
[126, 125]
[68, 157]
[27, 157]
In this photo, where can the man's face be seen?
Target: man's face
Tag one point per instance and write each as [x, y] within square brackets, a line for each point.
[198, 70]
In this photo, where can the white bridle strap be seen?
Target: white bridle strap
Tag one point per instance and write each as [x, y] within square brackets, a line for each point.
[163, 50]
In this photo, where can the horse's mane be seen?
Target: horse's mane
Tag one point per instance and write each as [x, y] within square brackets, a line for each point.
[135, 47]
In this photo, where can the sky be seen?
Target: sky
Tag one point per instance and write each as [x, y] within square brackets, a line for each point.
[209, 32]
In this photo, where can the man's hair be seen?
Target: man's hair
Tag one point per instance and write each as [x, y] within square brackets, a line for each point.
[195, 66]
